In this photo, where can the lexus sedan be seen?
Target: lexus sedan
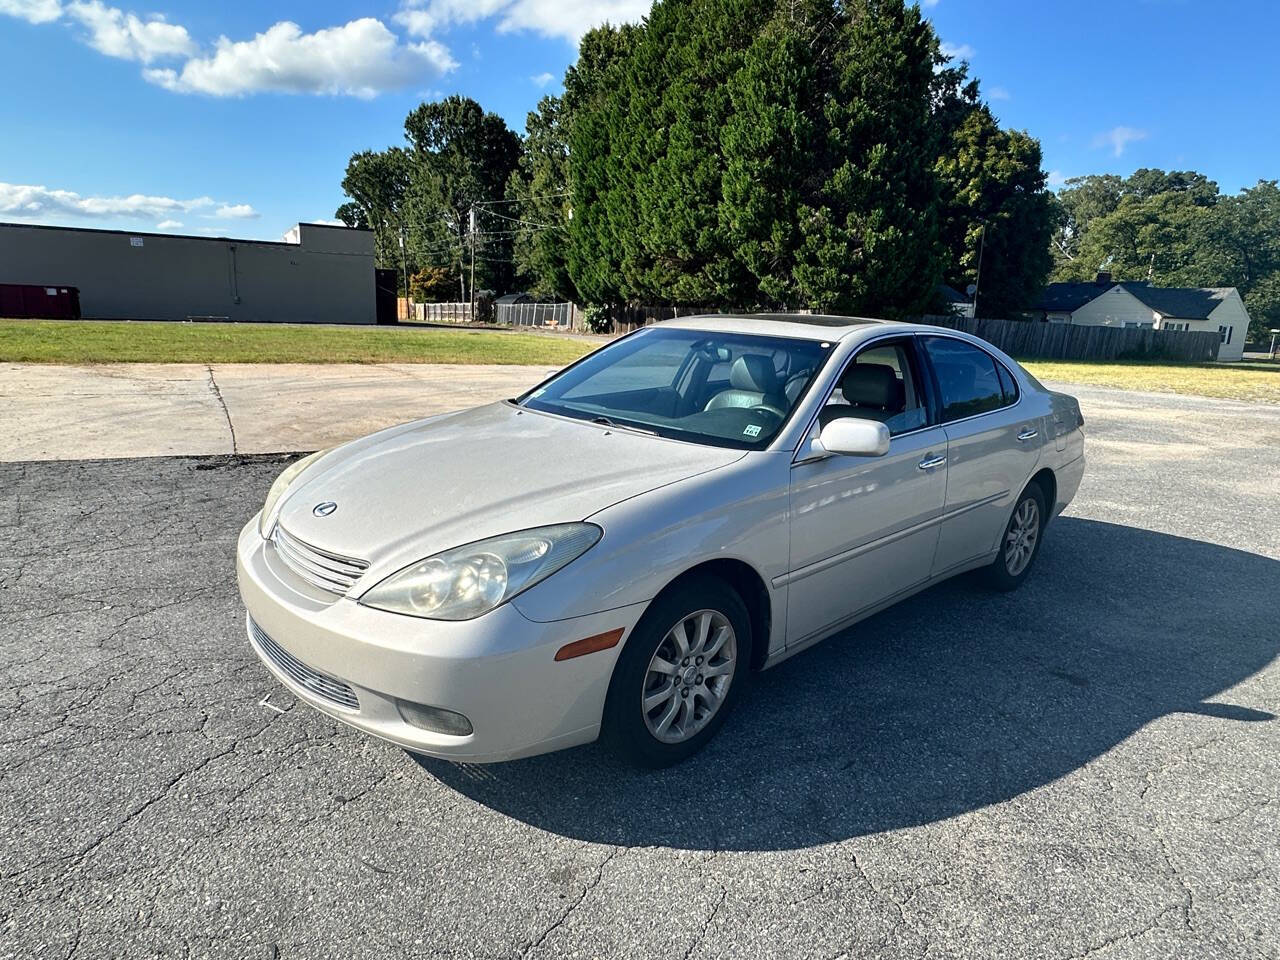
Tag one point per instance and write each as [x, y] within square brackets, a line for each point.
[612, 553]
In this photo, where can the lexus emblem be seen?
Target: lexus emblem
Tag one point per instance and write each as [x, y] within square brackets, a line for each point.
[324, 509]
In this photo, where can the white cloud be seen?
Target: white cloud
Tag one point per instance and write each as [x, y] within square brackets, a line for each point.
[361, 58]
[168, 224]
[235, 211]
[568, 19]
[541, 79]
[32, 11]
[118, 34]
[1118, 138]
[417, 23]
[999, 93]
[327, 222]
[958, 51]
[31, 202]
[1055, 178]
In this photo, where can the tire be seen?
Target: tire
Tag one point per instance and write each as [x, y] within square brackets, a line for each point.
[637, 734]
[1019, 544]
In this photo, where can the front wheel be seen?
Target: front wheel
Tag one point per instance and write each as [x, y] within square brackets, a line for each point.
[679, 674]
[1021, 541]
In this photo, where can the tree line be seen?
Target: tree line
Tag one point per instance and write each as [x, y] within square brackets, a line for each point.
[1174, 229]
[758, 154]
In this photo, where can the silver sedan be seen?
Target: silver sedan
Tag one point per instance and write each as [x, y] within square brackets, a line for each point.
[611, 553]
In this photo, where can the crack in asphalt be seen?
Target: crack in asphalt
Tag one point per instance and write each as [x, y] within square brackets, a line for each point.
[538, 941]
[217, 395]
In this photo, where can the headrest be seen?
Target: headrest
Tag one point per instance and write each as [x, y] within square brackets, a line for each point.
[872, 385]
[753, 371]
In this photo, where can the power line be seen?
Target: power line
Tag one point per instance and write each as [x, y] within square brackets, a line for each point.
[541, 196]
[528, 223]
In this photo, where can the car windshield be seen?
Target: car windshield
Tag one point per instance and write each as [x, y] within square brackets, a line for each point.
[724, 389]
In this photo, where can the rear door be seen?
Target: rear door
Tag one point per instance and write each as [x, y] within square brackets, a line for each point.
[993, 446]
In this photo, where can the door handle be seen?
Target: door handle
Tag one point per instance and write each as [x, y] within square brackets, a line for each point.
[930, 462]
[1028, 435]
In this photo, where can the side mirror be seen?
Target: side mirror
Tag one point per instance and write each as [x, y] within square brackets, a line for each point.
[851, 437]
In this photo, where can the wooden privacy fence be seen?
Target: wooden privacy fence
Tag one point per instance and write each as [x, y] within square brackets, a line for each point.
[1067, 341]
[442, 312]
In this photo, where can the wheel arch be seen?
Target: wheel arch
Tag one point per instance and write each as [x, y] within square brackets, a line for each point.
[750, 587]
[1048, 484]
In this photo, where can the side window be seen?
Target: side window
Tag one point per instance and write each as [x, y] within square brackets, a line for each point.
[880, 383]
[967, 377]
[1007, 384]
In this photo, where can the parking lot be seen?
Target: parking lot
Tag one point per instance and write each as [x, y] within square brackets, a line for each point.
[1086, 767]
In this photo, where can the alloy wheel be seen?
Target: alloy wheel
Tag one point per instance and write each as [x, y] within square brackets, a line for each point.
[1020, 540]
[689, 676]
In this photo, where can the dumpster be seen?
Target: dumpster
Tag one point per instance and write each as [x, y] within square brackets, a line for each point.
[31, 302]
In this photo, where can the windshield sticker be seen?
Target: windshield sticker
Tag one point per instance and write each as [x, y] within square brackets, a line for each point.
[753, 430]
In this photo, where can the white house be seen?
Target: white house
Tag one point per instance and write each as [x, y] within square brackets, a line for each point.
[1137, 304]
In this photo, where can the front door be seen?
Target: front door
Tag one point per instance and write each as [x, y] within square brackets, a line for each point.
[865, 528]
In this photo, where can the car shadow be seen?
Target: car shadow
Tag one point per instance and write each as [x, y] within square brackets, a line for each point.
[953, 700]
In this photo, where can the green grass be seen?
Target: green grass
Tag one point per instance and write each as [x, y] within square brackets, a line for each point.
[92, 341]
[1257, 381]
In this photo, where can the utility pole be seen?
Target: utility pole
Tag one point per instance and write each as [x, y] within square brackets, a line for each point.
[404, 269]
[473, 262]
[977, 281]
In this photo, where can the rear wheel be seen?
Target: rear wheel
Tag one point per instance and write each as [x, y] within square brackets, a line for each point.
[680, 673]
[1021, 541]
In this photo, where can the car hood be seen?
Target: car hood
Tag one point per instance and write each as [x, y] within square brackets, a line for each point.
[414, 490]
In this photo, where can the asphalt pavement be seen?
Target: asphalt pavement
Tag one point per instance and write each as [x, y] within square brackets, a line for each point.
[1087, 767]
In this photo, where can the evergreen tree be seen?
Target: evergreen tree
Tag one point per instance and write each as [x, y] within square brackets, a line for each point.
[601, 223]
[691, 50]
[994, 204]
[871, 242]
[540, 187]
[768, 143]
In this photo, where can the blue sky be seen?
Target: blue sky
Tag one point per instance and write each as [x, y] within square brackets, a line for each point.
[237, 118]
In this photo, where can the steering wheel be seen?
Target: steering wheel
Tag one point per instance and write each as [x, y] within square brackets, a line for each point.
[798, 379]
[765, 408]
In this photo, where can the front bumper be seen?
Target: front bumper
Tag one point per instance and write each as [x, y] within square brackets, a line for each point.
[498, 670]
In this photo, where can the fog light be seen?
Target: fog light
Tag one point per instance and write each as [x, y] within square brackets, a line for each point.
[435, 719]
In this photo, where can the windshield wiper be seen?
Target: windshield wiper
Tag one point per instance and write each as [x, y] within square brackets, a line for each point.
[606, 422]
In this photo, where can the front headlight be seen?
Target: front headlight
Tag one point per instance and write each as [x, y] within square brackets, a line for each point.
[290, 474]
[464, 582]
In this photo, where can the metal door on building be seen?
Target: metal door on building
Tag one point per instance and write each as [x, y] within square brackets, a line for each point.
[386, 296]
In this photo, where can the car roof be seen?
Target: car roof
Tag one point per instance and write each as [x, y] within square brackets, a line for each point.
[806, 326]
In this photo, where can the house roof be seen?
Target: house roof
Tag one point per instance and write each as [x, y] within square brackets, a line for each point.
[1189, 303]
[950, 294]
[1069, 297]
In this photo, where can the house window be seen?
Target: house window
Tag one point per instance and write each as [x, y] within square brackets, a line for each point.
[1224, 334]
[1179, 327]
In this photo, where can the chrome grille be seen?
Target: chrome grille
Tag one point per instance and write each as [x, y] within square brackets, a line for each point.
[321, 568]
[321, 684]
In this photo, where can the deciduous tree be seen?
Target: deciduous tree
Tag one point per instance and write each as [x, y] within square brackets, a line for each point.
[461, 157]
